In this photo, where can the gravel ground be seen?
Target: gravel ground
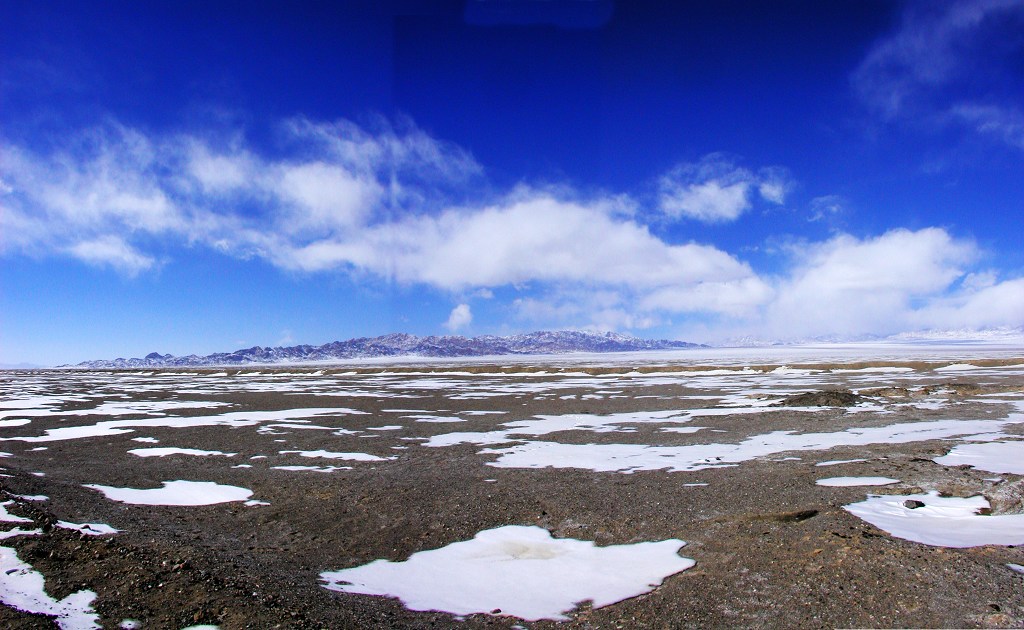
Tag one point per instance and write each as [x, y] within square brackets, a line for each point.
[772, 548]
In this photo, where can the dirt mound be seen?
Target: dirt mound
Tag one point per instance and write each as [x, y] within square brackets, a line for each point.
[889, 392]
[825, 398]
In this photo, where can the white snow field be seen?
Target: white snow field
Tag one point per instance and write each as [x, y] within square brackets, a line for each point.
[518, 571]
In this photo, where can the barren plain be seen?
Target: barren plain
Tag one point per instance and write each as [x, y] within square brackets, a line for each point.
[823, 489]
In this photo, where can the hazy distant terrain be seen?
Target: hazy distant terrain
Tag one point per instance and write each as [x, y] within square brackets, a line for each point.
[823, 486]
[402, 344]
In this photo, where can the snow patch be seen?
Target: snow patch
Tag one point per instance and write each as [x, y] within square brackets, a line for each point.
[941, 521]
[844, 482]
[957, 367]
[836, 462]
[22, 587]
[321, 469]
[17, 531]
[7, 517]
[89, 529]
[354, 457]
[231, 419]
[516, 571]
[176, 493]
[997, 457]
[628, 458]
[165, 451]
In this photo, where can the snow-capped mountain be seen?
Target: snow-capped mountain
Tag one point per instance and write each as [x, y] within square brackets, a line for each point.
[400, 344]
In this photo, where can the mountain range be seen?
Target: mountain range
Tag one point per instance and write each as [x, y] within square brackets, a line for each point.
[401, 344]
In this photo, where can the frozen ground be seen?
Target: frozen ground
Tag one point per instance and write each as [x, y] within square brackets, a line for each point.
[861, 486]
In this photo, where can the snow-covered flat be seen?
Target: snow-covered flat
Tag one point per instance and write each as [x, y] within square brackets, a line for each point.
[534, 488]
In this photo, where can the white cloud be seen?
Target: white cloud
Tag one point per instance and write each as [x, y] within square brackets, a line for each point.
[113, 252]
[581, 308]
[996, 305]
[736, 298]
[324, 196]
[775, 183]
[539, 239]
[710, 202]
[355, 202]
[116, 184]
[218, 173]
[716, 190]
[460, 317]
[853, 286]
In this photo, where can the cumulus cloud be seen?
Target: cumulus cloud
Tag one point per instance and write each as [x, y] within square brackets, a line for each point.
[949, 62]
[717, 190]
[857, 286]
[1000, 304]
[460, 317]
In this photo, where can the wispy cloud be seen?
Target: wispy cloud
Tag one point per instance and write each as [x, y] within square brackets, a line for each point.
[827, 207]
[717, 190]
[950, 62]
[1003, 123]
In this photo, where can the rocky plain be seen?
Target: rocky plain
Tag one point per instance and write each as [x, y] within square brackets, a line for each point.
[881, 489]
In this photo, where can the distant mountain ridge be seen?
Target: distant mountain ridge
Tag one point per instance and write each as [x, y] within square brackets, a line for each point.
[401, 344]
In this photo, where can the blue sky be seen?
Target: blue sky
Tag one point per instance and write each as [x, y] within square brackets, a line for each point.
[179, 177]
